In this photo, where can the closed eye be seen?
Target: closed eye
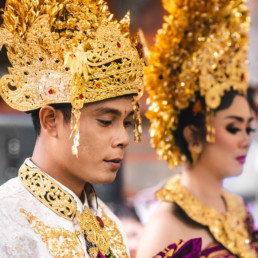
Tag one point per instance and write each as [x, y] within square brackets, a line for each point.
[104, 122]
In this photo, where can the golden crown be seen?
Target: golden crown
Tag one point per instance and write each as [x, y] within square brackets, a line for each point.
[202, 48]
[67, 51]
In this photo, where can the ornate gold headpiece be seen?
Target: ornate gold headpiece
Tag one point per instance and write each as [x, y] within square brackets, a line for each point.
[68, 51]
[201, 48]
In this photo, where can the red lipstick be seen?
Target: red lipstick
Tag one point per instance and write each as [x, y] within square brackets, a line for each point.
[241, 159]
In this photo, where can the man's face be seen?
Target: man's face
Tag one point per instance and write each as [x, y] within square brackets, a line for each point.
[103, 139]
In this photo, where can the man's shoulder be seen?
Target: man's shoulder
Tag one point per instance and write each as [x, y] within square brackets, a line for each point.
[11, 188]
[12, 195]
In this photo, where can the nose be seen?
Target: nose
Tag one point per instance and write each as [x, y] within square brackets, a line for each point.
[245, 141]
[121, 138]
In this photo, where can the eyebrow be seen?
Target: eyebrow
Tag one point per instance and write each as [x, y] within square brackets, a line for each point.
[240, 119]
[113, 111]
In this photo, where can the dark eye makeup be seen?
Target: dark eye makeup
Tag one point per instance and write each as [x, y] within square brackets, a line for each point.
[233, 129]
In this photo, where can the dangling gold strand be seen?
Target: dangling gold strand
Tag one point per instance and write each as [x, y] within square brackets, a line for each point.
[137, 121]
[75, 127]
[210, 130]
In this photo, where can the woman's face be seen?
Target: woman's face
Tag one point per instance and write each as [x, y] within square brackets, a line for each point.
[233, 135]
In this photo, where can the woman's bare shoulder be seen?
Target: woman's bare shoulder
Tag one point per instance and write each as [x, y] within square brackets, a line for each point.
[167, 225]
[162, 229]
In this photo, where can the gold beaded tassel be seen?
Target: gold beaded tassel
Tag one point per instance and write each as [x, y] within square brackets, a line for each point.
[210, 130]
[75, 127]
[137, 121]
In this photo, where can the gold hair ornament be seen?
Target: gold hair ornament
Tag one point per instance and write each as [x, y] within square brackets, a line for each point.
[201, 49]
[67, 51]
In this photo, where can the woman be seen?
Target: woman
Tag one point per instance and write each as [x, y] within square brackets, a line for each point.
[196, 78]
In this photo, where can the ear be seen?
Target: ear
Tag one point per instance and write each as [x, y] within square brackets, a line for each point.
[49, 118]
[189, 134]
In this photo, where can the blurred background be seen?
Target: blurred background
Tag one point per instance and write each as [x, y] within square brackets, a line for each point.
[131, 196]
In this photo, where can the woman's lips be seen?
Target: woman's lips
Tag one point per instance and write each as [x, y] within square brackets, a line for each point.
[241, 159]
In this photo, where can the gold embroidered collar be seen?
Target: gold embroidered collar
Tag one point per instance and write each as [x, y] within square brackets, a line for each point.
[102, 233]
[228, 229]
[47, 191]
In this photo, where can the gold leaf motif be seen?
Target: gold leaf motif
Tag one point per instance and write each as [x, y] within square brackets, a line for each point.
[60, 242]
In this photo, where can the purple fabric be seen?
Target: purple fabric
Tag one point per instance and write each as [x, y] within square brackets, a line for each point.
[190, 249]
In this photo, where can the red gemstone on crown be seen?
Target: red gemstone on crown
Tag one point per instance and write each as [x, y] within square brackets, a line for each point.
[242, 77]
[81, 96]
[50, 91]
[139, 90]
[118, 45]
[98, 85]
[100, 221]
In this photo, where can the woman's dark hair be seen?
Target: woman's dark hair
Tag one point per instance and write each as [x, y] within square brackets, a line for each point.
[188, 117]
[65, 108]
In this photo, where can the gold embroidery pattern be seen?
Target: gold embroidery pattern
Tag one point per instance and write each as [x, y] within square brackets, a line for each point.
[117, 243]
[228, 229]
[60, 242]
[48, 192]
[93, 231]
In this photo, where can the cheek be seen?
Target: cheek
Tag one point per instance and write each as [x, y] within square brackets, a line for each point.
[226, 141]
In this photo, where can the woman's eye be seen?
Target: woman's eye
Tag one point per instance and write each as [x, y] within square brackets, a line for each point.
[104, 122]
[128, 123]
[250, 130]
[232, 129]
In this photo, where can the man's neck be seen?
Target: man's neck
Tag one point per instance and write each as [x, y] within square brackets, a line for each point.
[45, 161]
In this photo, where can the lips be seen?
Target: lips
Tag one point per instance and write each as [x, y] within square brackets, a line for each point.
[241, 159]
[114, 163]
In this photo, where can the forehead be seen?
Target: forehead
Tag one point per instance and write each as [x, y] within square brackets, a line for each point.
[239, 107]
[121, 104]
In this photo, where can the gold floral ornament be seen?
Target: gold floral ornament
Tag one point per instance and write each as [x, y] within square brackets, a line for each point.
[201, 49]
[68, 51]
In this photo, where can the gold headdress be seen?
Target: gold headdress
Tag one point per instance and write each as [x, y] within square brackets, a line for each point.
[201, 48]
[68, 51]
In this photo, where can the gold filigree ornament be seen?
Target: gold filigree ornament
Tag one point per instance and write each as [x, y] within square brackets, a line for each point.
[47, 191]
[201, 49]
[68, 51]
[116, 238]
[228, 229]
[95, 234]
[60, 242]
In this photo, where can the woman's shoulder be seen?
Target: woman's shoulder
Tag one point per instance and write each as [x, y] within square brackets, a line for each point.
[168, 224]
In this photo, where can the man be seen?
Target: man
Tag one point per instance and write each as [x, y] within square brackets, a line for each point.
[71, 61]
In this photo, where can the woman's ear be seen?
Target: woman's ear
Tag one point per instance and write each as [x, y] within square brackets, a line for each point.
[48, 119]
[189, 133]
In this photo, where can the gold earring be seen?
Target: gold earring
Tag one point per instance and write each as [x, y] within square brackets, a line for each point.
[195, 149]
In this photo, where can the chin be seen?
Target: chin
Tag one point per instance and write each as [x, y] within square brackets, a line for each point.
[106, 179]
[234, 172]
